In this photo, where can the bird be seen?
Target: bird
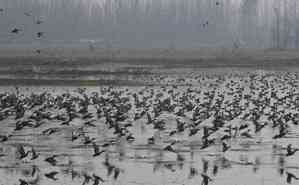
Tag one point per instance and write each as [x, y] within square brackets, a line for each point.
[52, 160]
[50, 131]
[169, 147]
[87, 179]
[34, 154]
[52, 175]
[97, 179]
[21, 151]
[28, 14]
[290, 177]
[34, 170]
[225, 147]
[97, 151]
[116, 173]
[16, 30]
[291, 151]
[23, 182]
[40, 34]
[38, 51]
[39, 21]
[4, 138]
[205, 179]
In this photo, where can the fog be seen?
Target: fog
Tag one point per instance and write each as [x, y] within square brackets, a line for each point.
[153, 23]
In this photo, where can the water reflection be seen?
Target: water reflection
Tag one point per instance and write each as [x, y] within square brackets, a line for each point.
[110, 135]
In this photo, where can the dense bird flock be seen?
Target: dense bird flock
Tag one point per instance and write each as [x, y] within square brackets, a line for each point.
[217, 116]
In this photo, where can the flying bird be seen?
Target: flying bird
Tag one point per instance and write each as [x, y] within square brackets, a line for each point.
[39, 21]
[16, 30]
[28, 14]
[40, 34]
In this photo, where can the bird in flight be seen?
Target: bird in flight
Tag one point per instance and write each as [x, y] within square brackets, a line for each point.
[39, 21]
[28, 14]
[16, 30]
[40, 34]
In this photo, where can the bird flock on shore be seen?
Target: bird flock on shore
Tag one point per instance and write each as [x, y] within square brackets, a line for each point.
[232, 110]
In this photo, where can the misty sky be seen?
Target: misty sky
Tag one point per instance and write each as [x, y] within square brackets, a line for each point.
[152, 23]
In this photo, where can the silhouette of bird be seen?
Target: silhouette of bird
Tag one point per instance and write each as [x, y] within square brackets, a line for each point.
[192, 172]
[34, 170]
[16, 30]
[290, 177]
[21, 151]
[215, 170]
[4, 138]
[97, 151]
[34, 154]
[39, 21]
[291, 151]
[169, 147]
[38, 51]
[28, 14]
[52, 175]
[97, 179]
[50, 131]
[23, 182]
[116, 173]
[52, 160]
[87, 179]
[225, 147]
[205, 179]
[40, 34]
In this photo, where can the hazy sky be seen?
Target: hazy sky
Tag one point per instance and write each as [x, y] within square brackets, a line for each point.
[152, 23]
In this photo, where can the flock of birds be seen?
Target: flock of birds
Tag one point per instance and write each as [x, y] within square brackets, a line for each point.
[18, 30]
[41, 34]
[213, 116]
[182, 119]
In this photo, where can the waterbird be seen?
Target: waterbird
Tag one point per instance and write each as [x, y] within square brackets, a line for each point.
[4, 138]
[28, 14]
[52, 160]
[34, 154]
[21, 151]
[97, 150]
[38, 51]
[39, 21]
[97, 179]
[290, 177]
[40, 34]
[23, 182]
[116, 173]
[51, 175]
[225, 147]
[169, 147]
[87, 179]
[205, 179]
[50, 131]
[16, 30]
[290, 150]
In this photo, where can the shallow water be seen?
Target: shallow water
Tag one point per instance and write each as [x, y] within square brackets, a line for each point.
[248, 161]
